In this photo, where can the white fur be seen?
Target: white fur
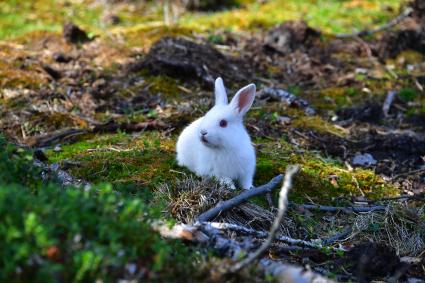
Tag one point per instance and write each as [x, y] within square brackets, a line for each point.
[228, 154]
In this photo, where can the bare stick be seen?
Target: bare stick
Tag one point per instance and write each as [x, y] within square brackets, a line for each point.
[317, 243]
[388, 101]
[208, 235]
[348, 209]
[53, 138]
[228, 204]
[400, 198]
[408, 173]
[283, 198]
[338, 236]
[386, 26]
[111, 126]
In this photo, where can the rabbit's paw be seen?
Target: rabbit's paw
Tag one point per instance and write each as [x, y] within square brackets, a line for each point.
[228, 183]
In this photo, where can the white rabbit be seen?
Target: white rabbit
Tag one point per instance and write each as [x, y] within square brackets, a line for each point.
[218, 144]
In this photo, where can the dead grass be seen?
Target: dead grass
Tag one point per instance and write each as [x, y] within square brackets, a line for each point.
[400, 227]
[191, 196]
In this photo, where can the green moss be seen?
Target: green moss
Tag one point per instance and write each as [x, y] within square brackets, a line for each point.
[146, 17]
[316, 123]
[320, 179]
[20, 17]
[164, 85]
[345, 15]
[145, 159]
[408, 94]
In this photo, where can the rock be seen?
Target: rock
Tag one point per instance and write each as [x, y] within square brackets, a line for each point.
[364, 160]
[373, 260]
[73, 34]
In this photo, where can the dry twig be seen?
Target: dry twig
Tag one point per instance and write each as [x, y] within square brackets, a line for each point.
[228, 204]
[317, 243]
[111, 126]
[388, 101]
[348, 209]
[283, 198]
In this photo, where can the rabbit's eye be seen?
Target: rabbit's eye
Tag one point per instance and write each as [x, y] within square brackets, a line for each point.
[223, 123]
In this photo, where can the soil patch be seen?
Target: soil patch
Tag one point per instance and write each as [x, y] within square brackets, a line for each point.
[188, 60]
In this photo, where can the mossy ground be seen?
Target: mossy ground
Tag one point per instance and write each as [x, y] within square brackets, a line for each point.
[18, 18]
[32, 103]
[141, 159]
[146, 159]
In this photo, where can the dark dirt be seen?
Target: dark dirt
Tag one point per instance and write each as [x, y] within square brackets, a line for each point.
[211, 5]
[74, 34]
[371, 260]
[185, 59]
[291, 36]
[53, 73]
[297, 54]
[397, 152]
[61, 57]
[409, 35]
[370, 111]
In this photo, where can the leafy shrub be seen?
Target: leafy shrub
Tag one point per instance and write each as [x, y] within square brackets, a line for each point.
[54, 234]
[16, 166]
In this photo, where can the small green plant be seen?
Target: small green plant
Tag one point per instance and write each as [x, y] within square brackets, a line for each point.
[49, 233]
[16, 166]
[408, 94]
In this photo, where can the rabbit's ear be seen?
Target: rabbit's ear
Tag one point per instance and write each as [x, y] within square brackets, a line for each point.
[220, 92]
[243, 99]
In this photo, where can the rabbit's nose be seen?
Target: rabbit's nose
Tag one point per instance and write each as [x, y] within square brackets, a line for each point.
[204, 132]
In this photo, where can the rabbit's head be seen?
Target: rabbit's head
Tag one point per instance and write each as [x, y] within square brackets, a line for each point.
[222, 126]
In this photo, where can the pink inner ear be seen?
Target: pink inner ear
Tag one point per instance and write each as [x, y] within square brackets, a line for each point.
[243, 99]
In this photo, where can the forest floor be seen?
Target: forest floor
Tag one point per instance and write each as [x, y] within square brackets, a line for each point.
[107, 102]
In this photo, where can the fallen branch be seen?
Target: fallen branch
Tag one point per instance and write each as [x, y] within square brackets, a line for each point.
[111, 126]
[129, 127]
[244, 196]
[317, 244]
[388, 102]
[418, 171]
[348, 209]
[283, 199]
[206, 234]
[400, 198]
[386, 26]
[337, 237]
[53, 138]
